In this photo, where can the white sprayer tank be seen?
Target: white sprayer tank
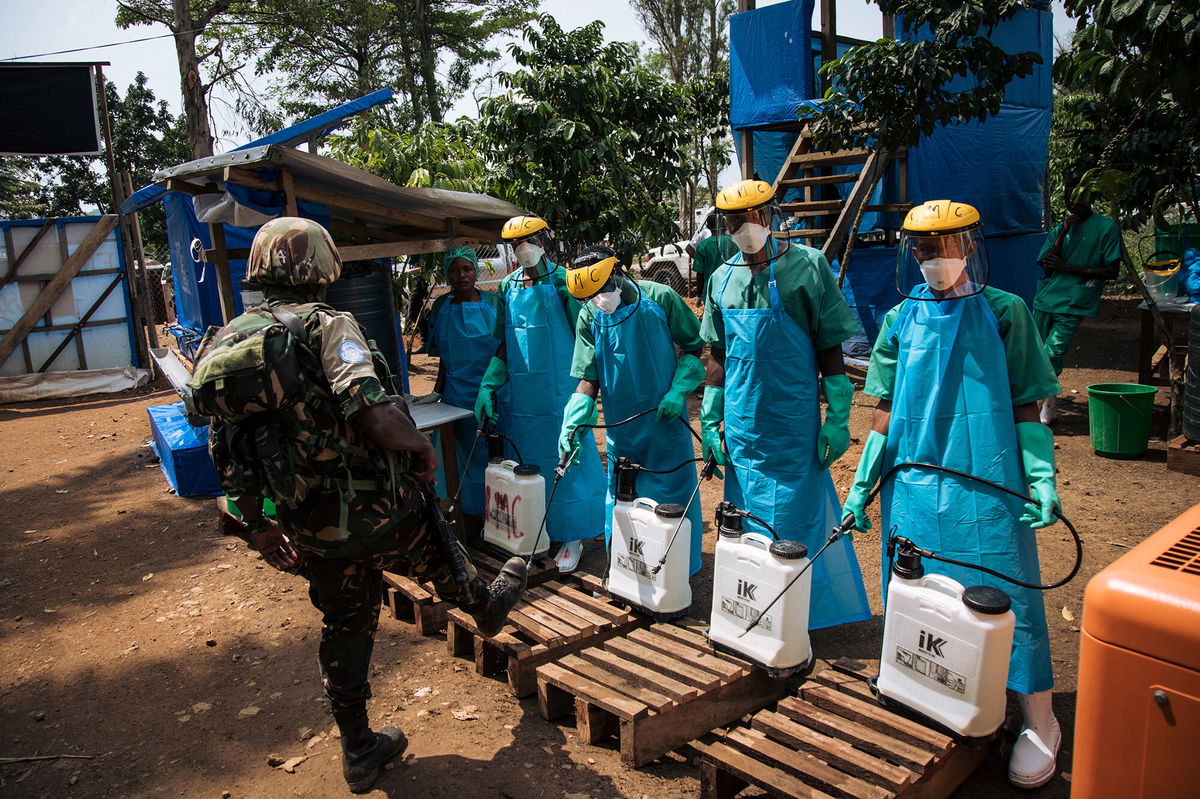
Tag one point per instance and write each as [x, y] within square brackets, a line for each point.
[749, 571]
[946, 651]
[514, 507]
[641, 532]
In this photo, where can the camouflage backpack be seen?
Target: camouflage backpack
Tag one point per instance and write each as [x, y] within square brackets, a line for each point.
[243, 369]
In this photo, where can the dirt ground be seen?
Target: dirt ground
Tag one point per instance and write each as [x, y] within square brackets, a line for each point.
[164, 659]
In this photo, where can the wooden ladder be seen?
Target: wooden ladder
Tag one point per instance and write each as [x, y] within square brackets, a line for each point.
[831, 220]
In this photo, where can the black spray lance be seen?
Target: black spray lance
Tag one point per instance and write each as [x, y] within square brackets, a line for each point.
[909, 551]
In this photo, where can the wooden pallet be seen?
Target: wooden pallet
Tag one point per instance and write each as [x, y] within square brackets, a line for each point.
[489, 561]
[551, 620]
[410, 601]
[656, 689]
[835, 740]
[1183, 455]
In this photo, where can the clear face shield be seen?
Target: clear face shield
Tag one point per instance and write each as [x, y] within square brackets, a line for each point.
[748, 238]
[941, 266]
[530, 250]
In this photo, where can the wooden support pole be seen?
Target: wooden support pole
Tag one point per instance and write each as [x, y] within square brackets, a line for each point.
[747, 154]
[220, 261]
[828, 36]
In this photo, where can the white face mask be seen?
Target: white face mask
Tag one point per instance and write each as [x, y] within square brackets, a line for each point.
[751, 237]
[942, 273]
[528, 254]
[608, 301]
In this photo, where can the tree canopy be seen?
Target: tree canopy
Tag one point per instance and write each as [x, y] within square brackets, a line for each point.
[587, 137]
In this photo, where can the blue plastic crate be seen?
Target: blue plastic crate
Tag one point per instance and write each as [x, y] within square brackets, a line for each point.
[183, 452]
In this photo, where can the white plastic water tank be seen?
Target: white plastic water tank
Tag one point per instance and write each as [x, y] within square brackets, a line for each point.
[641, 532]
[750, 570]
[946, 651]
[514, 507]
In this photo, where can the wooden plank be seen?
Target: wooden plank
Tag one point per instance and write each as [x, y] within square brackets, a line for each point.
[656, 701]
[578, 611]
[687, 654]
[460, 641]
[830, 158]
[803, 233]
[489, 658]
[55, 287]
[652, 737]
[553, 702]
[15, 262]
[684, 672]
[1183, 455]
[690, 631]
[187, 187]
[288, 184]
[534, 624]
[595, 604]
[948, 773]
[759, 774]
[860, 736]
[834, 751]
[853, 686]
[875, 717]
[818, 180]
[716, 783]
[817, 207]
[410, 588]
[842, 229]
[596, 693]
[564, 611]
[813, 771]
[594, 724]
[639, 674]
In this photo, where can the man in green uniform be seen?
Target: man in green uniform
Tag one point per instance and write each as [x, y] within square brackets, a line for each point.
[300, 417]
[706, 252]
[1080, 253]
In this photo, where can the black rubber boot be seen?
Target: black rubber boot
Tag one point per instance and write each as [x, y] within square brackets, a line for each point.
[502, 595]
[364, 752]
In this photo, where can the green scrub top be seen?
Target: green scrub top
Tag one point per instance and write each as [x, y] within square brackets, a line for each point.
[707, 259]
[807, 289]
[556, 275]
[1094, 244]
[683, 324]
[490, 297]
[1030, 376]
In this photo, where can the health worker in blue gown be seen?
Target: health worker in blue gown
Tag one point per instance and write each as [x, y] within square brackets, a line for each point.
[958, 369]
[625, 343]
[776, 321]
[528, 382]
[461, 326]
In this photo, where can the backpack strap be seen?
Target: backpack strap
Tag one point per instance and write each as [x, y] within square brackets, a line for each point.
[291, 322]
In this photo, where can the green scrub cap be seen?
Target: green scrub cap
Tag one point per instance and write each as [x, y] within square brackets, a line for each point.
[458, 252]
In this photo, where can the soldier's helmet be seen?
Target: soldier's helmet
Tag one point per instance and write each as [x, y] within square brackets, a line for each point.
[290, 251]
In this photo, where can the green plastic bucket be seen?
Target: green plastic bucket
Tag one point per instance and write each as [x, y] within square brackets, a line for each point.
[1119, 418]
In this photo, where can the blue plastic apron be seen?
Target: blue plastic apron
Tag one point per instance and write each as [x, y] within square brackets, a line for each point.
[463, 332]
[952, 406]
[772, 417]
[540, 343]
[635, 361]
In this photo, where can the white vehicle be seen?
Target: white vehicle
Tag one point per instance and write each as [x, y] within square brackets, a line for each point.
[669, 265]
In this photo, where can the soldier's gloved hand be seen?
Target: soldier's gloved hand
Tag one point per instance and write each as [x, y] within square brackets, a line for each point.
[274, 546]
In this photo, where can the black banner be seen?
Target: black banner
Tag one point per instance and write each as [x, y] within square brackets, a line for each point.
[48, 109]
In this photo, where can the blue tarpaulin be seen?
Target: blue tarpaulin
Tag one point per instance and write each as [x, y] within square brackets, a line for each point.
[770, 64]
[998, 166]
[182, 452]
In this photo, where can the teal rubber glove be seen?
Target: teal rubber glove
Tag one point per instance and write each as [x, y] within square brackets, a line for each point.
[834, 438]
[712, 412]
[1037, 456]
[580, 411]
[870, 464]
[495, 376]
[688, 374]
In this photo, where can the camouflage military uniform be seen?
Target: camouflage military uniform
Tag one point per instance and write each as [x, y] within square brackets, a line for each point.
[346, 503]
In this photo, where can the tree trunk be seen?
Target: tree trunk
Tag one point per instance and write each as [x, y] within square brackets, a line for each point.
[195, 103]
[428, 60]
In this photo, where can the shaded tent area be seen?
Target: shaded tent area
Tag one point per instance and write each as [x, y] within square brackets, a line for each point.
[999, 165]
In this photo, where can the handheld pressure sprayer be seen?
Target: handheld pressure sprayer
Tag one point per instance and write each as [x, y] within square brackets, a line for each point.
[906, 549]
[489, 430]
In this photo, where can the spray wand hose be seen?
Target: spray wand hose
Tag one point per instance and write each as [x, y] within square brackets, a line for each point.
[848, 524]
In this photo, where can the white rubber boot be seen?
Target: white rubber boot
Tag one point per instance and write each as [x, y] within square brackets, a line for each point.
[567, 559]
[1034, 757]
[1048, 411]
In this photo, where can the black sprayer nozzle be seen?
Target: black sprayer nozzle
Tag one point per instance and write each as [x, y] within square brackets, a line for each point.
[908, 564]
[627, 472]
[564, 462]
[710, 466]
[728, 520]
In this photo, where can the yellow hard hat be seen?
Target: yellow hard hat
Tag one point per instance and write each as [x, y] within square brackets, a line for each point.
[590, 272]
[745, 195]
[521, 226]
[940, 217]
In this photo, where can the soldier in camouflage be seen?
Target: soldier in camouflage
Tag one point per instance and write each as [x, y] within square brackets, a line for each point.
[305, 421]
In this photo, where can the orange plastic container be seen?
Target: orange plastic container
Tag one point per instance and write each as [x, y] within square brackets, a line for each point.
[1137, 721]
